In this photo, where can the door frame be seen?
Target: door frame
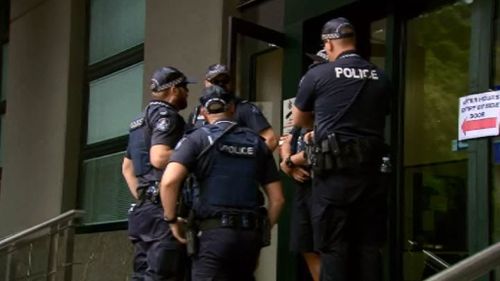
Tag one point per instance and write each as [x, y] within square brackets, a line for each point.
[238, 26]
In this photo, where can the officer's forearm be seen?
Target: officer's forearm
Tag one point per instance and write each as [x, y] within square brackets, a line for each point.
[129, 176]
[169, 188]
[285, 148]
[270, 138]
[276, 201]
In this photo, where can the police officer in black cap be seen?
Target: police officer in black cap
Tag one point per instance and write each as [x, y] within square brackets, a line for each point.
[350, 98]
[246, 114]
[229, 162]
[152, 137]
[294, 164]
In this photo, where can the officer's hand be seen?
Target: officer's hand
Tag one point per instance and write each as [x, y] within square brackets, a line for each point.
[285, 138]
[284, 167]
[309, 137]
[300, 174]
[178, 231]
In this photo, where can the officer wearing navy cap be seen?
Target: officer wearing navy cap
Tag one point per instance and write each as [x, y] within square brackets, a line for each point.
[230, 162]
[350, 98]
[294, 164]
[152, 137]
[246, 114]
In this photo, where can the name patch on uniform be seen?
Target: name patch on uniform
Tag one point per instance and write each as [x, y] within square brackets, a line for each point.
[136, 123]
[356, 73]
[237, 149]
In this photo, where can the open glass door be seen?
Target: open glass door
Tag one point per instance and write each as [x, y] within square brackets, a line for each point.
[255, 57]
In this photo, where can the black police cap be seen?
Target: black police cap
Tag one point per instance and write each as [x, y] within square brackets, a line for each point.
[167, 77]
[320, 56]
[215, 99]
[216, 72]
[337, 28]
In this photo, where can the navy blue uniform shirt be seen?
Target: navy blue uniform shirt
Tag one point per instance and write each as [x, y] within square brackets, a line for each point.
[195, 142]
[166, 127]
[329, 88]
[246, 114]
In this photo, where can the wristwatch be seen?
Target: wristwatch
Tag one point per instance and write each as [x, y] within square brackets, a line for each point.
[288, 162]
[169, 221]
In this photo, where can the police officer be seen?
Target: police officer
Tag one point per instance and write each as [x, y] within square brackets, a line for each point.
[152, 137]
[349, 97]
[229, 162]
[294, 164]
[246, 114]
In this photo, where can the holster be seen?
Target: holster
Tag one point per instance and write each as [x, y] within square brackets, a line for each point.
[150, 192]
[187, 196]
[191, 234]
[265, 228]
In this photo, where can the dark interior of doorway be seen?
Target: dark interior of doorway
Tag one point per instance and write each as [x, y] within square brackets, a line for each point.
[360, 14]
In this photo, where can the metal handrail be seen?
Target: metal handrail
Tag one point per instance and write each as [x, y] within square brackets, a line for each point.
[436, 259]
[62, 217]
[472, 267]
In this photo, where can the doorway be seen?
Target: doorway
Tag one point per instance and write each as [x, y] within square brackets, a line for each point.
[255, 58]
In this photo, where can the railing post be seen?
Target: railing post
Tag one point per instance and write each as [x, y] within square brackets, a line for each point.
[69, 238]
[52, 255]
[9, 267]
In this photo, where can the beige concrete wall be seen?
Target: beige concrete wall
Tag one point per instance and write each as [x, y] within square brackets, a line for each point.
[41, 64]
[185, 34]
[269, 14]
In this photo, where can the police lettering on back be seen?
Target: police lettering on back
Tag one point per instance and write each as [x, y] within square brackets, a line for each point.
[237, 150]
[356, 73]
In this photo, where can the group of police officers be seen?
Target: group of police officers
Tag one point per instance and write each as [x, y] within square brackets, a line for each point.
[220, 168]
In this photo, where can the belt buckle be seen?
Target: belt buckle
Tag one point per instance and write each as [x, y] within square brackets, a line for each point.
[247, 221]
[228, 221]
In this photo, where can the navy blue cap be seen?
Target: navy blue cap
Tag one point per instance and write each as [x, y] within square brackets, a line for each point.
[217, 72]
[167, 77]
[320, 56]
[215, 99]
[337, 28]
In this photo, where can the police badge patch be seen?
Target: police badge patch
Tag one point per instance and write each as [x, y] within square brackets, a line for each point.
[163, 124]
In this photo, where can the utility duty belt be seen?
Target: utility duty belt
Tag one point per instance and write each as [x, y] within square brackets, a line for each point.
[258, 221]
[149, 193]
[332, 155]
[246, 221]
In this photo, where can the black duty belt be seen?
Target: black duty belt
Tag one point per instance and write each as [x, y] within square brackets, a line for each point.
[234, 221]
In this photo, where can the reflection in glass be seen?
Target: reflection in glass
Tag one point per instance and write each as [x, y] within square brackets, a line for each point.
[115, 26]
[2, 149]
[435, 175]
[105, 197]
[114, 101]
[377, 42]
[495, 193]
[3, 81]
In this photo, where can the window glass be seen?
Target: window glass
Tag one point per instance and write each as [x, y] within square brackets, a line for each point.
[495, 157]
[3, 82]
[435, 170]
[114, 101]
[2, 123]
[106, 197]
[115, 26]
